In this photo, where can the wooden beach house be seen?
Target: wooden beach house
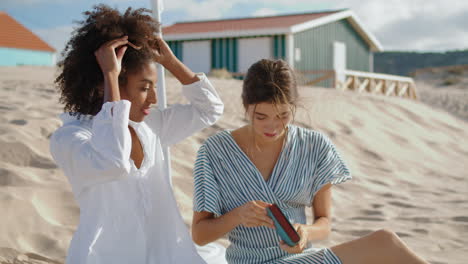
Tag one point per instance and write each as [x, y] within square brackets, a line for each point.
[20, 46]
[327, 48]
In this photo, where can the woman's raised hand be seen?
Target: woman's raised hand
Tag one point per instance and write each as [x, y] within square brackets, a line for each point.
[163, 54]
[254, 214]
[109, 55]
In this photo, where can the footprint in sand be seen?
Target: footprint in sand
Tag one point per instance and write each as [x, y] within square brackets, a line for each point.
[460, 219]
[7, 108]
[400, 234]
[46, 133]
[9, 88]
[47, 97]
[11, 178]
[403, 205]
[371, 154]
[46, 90]
[384, 170]
[19, 122]
[383, 109]
[420, 231]
[457, 201]
[359, 233]
[397, 138]
[415, 118]
[429, 192]
[41, 259]
[344, 128]
[357, 123]
[371, 212]
[378, 182]
[377, 206]
[432, 144]
[389, 195]
[449, 127]
[364, 218]
[419, 220]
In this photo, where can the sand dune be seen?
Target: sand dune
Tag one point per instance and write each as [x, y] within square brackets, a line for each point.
[445, 88]
[408, 160]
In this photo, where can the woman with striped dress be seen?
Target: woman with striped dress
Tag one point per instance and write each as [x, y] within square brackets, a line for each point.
[239, 173]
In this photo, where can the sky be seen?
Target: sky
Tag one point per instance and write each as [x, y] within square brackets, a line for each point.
[403, 25]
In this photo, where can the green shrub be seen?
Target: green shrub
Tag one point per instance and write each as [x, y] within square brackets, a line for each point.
[451, 81]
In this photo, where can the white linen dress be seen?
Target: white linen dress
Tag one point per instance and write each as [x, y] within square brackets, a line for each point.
[129, 215]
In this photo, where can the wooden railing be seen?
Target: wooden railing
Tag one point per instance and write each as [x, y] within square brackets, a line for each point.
[362, 82]
[376, 83]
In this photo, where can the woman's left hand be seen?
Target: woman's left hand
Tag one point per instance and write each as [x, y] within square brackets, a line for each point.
[164, 54]
[301, 245]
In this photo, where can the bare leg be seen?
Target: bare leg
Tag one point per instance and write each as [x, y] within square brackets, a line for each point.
[383, 247]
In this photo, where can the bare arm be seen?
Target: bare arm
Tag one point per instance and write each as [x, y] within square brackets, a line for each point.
[181, 72]
[207, 228]
[109, 57]
[111, 88]
[321, 207]
[321, 227]
[165, 57]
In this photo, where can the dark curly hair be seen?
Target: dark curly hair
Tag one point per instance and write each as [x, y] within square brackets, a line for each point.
[80, 79]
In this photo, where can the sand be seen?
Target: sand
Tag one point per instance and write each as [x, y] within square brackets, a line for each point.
[445, 88]
[409, 162]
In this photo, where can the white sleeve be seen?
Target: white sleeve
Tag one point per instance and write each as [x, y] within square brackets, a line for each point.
[96, 156]
[178, 121]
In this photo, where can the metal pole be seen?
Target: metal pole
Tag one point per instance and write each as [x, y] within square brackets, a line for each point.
[161, 86]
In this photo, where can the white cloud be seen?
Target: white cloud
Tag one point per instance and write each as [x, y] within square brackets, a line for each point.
[414, 25]
[397, 24]
[209, 9]
[31, 2]
[377, 14]
[265, 12]
[56, 37]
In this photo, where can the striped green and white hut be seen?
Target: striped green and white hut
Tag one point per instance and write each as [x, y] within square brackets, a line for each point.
[310, 42]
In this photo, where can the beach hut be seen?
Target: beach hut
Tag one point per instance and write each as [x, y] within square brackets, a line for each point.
[20, 46]
[312, 43]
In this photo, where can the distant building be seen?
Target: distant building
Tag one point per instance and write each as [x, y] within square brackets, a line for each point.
[20, 46]
[310, 42]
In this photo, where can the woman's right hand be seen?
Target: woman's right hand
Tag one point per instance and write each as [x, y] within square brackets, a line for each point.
[254, 214]
[109, 55]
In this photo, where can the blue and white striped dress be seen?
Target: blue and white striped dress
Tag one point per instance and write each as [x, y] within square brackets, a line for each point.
[225, 179]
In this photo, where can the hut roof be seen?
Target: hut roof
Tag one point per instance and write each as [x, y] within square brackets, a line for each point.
[15, 35]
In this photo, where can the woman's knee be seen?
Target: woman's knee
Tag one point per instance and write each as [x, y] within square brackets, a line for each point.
[386, 236]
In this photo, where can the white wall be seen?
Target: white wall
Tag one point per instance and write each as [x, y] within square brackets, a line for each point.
[197, 55]
[14, 57]
[252, 50]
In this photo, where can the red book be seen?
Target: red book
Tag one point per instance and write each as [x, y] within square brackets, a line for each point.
[285, 224]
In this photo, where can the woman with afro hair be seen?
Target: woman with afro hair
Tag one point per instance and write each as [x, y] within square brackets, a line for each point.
[110, 143]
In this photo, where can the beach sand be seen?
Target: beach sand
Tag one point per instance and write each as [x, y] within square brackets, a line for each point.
[409, 161]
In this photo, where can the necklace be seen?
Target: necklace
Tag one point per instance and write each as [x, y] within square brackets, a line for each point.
[251, 148]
